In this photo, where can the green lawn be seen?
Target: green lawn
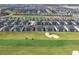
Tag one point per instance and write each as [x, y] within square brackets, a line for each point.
[38, 43]
[38, 46]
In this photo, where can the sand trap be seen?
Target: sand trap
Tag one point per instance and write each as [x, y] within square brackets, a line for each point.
[51, 35]
[75, 52]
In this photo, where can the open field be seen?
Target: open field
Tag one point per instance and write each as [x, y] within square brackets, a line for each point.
[38, 46]
[37, 43]
[63, 50]
[38, 35]
[21, 50]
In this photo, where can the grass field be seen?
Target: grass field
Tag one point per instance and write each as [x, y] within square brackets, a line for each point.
[22, 50]
[37, 16]
[22, 43]
[38, 35]
[39, 43]
[38, 46]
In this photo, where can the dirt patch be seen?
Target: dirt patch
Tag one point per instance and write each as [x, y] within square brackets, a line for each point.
[51, 35]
